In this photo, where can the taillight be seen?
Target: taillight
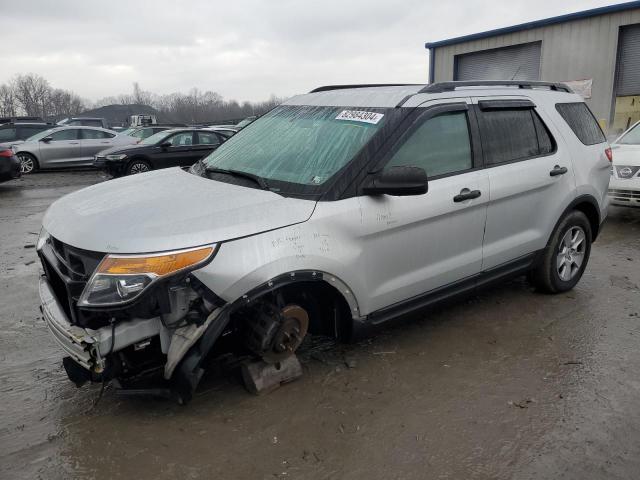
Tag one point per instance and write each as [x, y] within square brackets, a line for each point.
[609, 153]
[6, 153]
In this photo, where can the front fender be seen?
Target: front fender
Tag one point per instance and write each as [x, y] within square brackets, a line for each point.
[289, 254]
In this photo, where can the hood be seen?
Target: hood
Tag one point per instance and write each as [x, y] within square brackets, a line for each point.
[167, 210]
[626, 155]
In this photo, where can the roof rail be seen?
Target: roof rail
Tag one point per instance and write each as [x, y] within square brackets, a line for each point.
[328, 88]
[450, 86]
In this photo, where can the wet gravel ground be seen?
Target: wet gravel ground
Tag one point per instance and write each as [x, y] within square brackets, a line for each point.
[507, 384]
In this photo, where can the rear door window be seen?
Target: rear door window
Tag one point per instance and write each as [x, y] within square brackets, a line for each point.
[582, 122]
[513, 134]
[182, 139]
[89, 134]
[208, 138]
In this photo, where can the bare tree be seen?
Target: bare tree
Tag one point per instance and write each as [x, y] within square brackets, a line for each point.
[8, 105]
[32, 93]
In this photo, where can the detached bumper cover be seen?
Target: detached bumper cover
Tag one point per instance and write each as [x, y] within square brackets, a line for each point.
[74, 340]
[86, 346]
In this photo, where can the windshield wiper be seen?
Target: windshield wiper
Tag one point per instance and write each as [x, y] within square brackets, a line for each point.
[238, 173]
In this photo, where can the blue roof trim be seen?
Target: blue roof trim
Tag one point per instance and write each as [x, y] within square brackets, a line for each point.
[620, 7]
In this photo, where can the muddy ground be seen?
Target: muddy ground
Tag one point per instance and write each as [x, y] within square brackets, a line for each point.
[509, 384]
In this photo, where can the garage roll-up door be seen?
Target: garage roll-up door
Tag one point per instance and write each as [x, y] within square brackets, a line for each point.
[517, 62]
[628, 76]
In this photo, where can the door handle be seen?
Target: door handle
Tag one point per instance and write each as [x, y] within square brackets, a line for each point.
[74, 143]
[558, 170]
[466, 194]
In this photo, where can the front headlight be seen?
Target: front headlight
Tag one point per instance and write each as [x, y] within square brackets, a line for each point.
[120, 156]
[42, 239]
[120, 279]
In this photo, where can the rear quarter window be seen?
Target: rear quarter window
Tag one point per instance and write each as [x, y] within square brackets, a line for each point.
[582, 122]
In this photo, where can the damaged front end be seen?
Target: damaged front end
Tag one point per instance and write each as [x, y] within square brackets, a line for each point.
[129, 317]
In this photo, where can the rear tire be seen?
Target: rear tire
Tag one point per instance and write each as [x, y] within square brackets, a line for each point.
[566, 255]
[28, 163]
[137, 166]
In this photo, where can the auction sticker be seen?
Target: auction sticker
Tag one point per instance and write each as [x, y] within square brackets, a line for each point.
[360, 116]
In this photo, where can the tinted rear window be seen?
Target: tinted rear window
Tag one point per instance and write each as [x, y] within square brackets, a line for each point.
[582, 122]
[513, 134]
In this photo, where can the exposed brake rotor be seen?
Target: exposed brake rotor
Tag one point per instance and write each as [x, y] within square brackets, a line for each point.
[276, 334]
[289, 336]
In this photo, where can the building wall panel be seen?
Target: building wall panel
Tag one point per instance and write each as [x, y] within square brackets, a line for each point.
[574, 50]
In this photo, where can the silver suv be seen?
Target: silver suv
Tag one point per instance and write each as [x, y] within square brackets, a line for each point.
[331, 214]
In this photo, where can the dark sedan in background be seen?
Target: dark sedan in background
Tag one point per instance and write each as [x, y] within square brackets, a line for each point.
[9, 165]
[178, 147]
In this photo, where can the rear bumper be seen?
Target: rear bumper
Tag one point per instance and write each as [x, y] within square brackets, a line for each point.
[9, 168]
[625, 192]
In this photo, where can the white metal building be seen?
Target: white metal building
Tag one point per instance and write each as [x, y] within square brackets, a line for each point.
[597, 51]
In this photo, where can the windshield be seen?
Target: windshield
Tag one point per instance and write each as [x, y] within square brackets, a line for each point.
[153, 139]
[632, 137]
[38, 136]
[303, 145]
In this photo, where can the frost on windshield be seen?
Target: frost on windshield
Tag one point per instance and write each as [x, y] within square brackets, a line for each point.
[299, 144]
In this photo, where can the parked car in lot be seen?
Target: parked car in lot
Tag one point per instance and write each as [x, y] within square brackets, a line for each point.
[335, 212]
[85, 122]
[177, 147]
[9, 165]
[144, 132]
[624, 187]
[227, 132]
[243, 123]
[66, 147]
[15, 132]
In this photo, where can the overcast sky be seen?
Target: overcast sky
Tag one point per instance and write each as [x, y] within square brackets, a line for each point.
[242, 49]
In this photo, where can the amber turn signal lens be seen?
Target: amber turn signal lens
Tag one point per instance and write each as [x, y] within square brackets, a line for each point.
[159, 265]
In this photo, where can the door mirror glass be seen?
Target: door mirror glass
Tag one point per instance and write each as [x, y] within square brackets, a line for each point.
[398, 181]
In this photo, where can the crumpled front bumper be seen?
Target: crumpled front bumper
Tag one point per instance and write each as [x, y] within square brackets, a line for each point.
[89, 347]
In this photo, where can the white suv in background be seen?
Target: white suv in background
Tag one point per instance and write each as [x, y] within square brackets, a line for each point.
[333, 213]
[624, 187]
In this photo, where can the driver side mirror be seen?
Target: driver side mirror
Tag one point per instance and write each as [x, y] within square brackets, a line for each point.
[166, 144]
[46, 139]
[398, 181]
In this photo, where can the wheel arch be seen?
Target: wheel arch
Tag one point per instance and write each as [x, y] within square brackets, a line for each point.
[588, 205]
[186, 375]
[31, 154]
[322, 284]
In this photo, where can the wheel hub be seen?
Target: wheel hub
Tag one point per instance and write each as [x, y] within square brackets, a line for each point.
[571, 253]
[275, 333]
[293, 327]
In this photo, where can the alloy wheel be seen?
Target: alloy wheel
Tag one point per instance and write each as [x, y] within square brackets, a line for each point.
[26, 163]
[571, 253]
[139, 168]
